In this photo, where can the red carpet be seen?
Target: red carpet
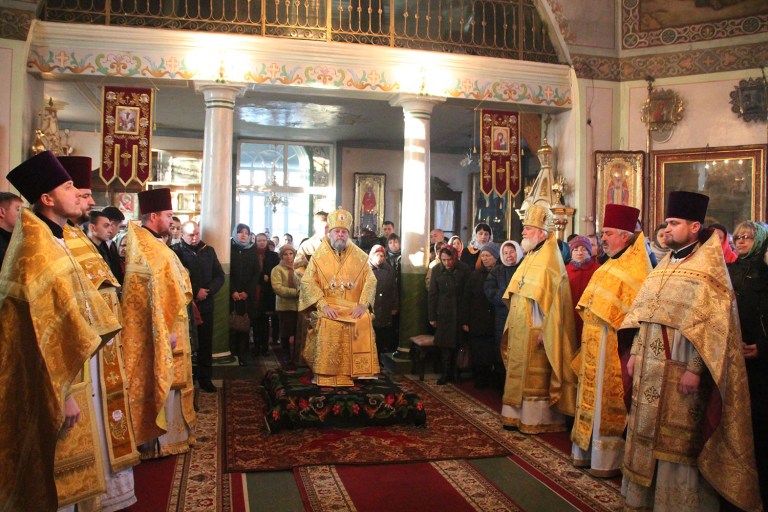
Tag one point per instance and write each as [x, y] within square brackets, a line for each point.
[546, 456]
[249, 447]
[194, 481]
[448, 486]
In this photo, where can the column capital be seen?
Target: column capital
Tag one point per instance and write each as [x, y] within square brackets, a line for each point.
[219, 95]
[416, 103]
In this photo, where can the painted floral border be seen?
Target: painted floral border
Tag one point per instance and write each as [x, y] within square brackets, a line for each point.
[127, 64]
[694, 62]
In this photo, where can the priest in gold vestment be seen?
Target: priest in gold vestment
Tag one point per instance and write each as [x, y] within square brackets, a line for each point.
[156, 348]
[601, 414]
[338, 290]
[108, 400]
[689, 434]
[538, 342]
[53, 320]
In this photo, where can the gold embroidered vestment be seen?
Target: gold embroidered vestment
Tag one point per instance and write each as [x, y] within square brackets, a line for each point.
[114, 397]
[341, 349]
[693, 297]
[156, 291]
[603, 306]
[53, 320]
[544, 370]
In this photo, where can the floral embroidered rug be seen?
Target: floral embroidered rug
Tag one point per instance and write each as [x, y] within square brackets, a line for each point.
[294, 402]
[250, 447]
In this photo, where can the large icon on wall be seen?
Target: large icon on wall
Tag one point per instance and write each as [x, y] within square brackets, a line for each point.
[619, 180]
[369, 202]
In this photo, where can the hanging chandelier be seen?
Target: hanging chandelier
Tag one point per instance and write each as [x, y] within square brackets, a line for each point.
[274, 199]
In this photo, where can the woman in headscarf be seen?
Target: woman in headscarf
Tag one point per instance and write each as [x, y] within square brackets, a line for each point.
[244, 274]
[121, 241]
[482, 235]
[749, 275]
[478, 317]
[580, 270]
[285, 284]
[659, 245]
[387, 301]
[495, 285]
[446, 292]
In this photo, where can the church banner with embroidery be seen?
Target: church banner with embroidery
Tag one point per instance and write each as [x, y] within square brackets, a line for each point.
[126, 129]
[500, 152]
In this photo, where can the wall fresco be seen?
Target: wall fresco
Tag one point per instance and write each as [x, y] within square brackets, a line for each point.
[648, 23]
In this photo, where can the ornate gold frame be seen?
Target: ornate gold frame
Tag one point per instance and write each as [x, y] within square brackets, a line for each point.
[721, 173]
[661, 112]
[623, 168]
[375, 184]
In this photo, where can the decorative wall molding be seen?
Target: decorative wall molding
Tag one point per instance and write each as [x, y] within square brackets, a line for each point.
[15, 23]
[177, 55]
[633, 36]
[665, 65]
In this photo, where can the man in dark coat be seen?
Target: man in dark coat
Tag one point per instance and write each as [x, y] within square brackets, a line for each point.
[446, 291]
[207, 278]
[10, 204]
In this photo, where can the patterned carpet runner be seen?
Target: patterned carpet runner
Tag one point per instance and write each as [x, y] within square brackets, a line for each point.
[194, 481]
[448, 486]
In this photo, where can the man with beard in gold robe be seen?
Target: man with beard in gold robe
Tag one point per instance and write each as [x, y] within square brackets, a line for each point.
[156, 348]
[689, 435]
[338, 290]
[539, 337]
[106, 369]
[53, 320]
[601, 414]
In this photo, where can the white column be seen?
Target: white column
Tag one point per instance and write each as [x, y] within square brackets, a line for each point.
[216, 209]
[414, 237]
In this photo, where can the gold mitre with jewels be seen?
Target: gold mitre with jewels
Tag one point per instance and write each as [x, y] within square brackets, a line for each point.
[340, 218]
[539, 216]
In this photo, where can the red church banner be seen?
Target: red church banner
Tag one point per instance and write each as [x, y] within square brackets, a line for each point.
[126, 130]
[499, 152]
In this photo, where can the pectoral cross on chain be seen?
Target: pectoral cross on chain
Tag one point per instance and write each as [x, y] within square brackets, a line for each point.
[521, 283]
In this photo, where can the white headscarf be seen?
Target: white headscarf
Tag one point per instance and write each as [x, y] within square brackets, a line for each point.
[518, 250]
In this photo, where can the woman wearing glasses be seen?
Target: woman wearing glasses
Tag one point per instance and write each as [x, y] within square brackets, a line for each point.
[749, 274]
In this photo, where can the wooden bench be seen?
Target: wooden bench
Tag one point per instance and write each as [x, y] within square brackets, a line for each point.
[422, 346]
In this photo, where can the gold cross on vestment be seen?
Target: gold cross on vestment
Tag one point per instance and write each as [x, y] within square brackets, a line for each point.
[655, 304]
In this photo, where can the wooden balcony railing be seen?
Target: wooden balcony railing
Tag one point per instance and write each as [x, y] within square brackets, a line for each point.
[509, 29]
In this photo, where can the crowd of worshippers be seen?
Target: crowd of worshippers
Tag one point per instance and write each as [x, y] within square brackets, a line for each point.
[651, 353]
